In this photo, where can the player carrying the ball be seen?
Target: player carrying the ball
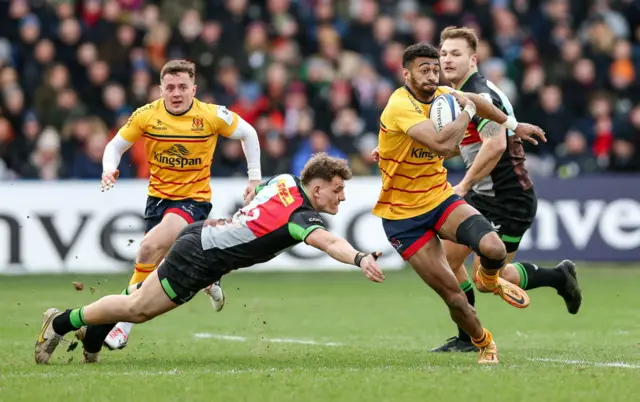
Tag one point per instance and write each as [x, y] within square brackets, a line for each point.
[180, 134]
[498, 185]
[283, 212]
[417, 204]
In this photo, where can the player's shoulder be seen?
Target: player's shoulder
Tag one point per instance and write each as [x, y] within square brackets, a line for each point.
[401, 95]
[285, 179]
[400, 99]
[147, 110]
[214, 110]
[443, 89]
[476, 83]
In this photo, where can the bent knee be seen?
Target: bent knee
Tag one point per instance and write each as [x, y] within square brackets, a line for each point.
[492, 247]
[152, 249]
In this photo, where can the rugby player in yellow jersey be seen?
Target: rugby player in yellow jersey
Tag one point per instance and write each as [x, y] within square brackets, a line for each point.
[180, 134]
[497, 184]
[418, 205]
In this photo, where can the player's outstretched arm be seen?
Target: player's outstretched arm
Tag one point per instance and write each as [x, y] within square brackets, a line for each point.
[111, 160]
[489, 111]
[251, 147]
[446, 141]
[494, 143]
[340, 249]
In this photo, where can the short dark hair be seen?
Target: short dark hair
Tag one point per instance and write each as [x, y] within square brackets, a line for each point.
[174, 67]
[468, 34]
[422, 49]
[325, 167]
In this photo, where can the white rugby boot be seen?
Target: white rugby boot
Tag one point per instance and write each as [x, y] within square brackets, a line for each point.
[119, 336]
[215, 293]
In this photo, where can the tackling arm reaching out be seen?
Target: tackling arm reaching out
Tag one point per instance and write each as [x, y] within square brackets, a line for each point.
[489, 111]
[341, 250]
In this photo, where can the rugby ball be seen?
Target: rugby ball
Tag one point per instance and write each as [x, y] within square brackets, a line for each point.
[444, 110]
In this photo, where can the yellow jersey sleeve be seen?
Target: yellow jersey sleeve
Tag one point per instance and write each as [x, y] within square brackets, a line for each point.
[136, 124]
[222, 120]
[443, 89]
[405, 113]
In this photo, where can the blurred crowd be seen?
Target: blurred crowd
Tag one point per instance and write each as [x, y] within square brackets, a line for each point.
[310, 75]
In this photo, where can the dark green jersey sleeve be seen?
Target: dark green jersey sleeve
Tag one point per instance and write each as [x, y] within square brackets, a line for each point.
[303, 222]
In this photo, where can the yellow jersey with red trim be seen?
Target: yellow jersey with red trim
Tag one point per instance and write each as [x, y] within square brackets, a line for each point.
[414, 179]
[180, 148]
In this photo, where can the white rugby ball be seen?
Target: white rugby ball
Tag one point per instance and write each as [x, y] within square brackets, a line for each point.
[444, 110]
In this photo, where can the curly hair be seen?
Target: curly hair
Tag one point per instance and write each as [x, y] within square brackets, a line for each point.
[422, 49]
[325, 167]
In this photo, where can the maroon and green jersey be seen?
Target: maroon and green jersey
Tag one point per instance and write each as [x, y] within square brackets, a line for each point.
[279, 217]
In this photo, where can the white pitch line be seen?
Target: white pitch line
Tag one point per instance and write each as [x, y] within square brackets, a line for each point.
[206, 335]
[301, 341]
[588, 363]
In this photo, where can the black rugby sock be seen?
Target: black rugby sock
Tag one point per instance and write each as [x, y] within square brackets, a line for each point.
[532, 276]
[467, 288]
[96, 334]
[68, 321]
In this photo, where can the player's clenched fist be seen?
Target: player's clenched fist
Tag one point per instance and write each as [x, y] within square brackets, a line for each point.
[375, 155]
[370, 268]
[108, 180]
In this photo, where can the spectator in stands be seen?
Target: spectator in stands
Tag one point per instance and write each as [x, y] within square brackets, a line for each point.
[274, 155]
[318, 142]
[575, 157]
[292, 67]
[229, 160]
[45, 162]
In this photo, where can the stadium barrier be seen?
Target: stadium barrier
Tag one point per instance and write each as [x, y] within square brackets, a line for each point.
[70, 226]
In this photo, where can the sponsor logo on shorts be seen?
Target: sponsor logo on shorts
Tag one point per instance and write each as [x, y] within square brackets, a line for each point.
[395, 243]
[188, 209]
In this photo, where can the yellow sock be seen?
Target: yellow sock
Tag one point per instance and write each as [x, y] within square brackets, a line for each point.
[485, 340]
[489, 278]
[141, 272]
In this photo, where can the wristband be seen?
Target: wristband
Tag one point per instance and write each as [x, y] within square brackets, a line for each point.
[254, 174]
[471, 110]
[358, 259]
[511, 123]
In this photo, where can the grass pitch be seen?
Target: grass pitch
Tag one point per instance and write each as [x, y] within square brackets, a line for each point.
[331, 337]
